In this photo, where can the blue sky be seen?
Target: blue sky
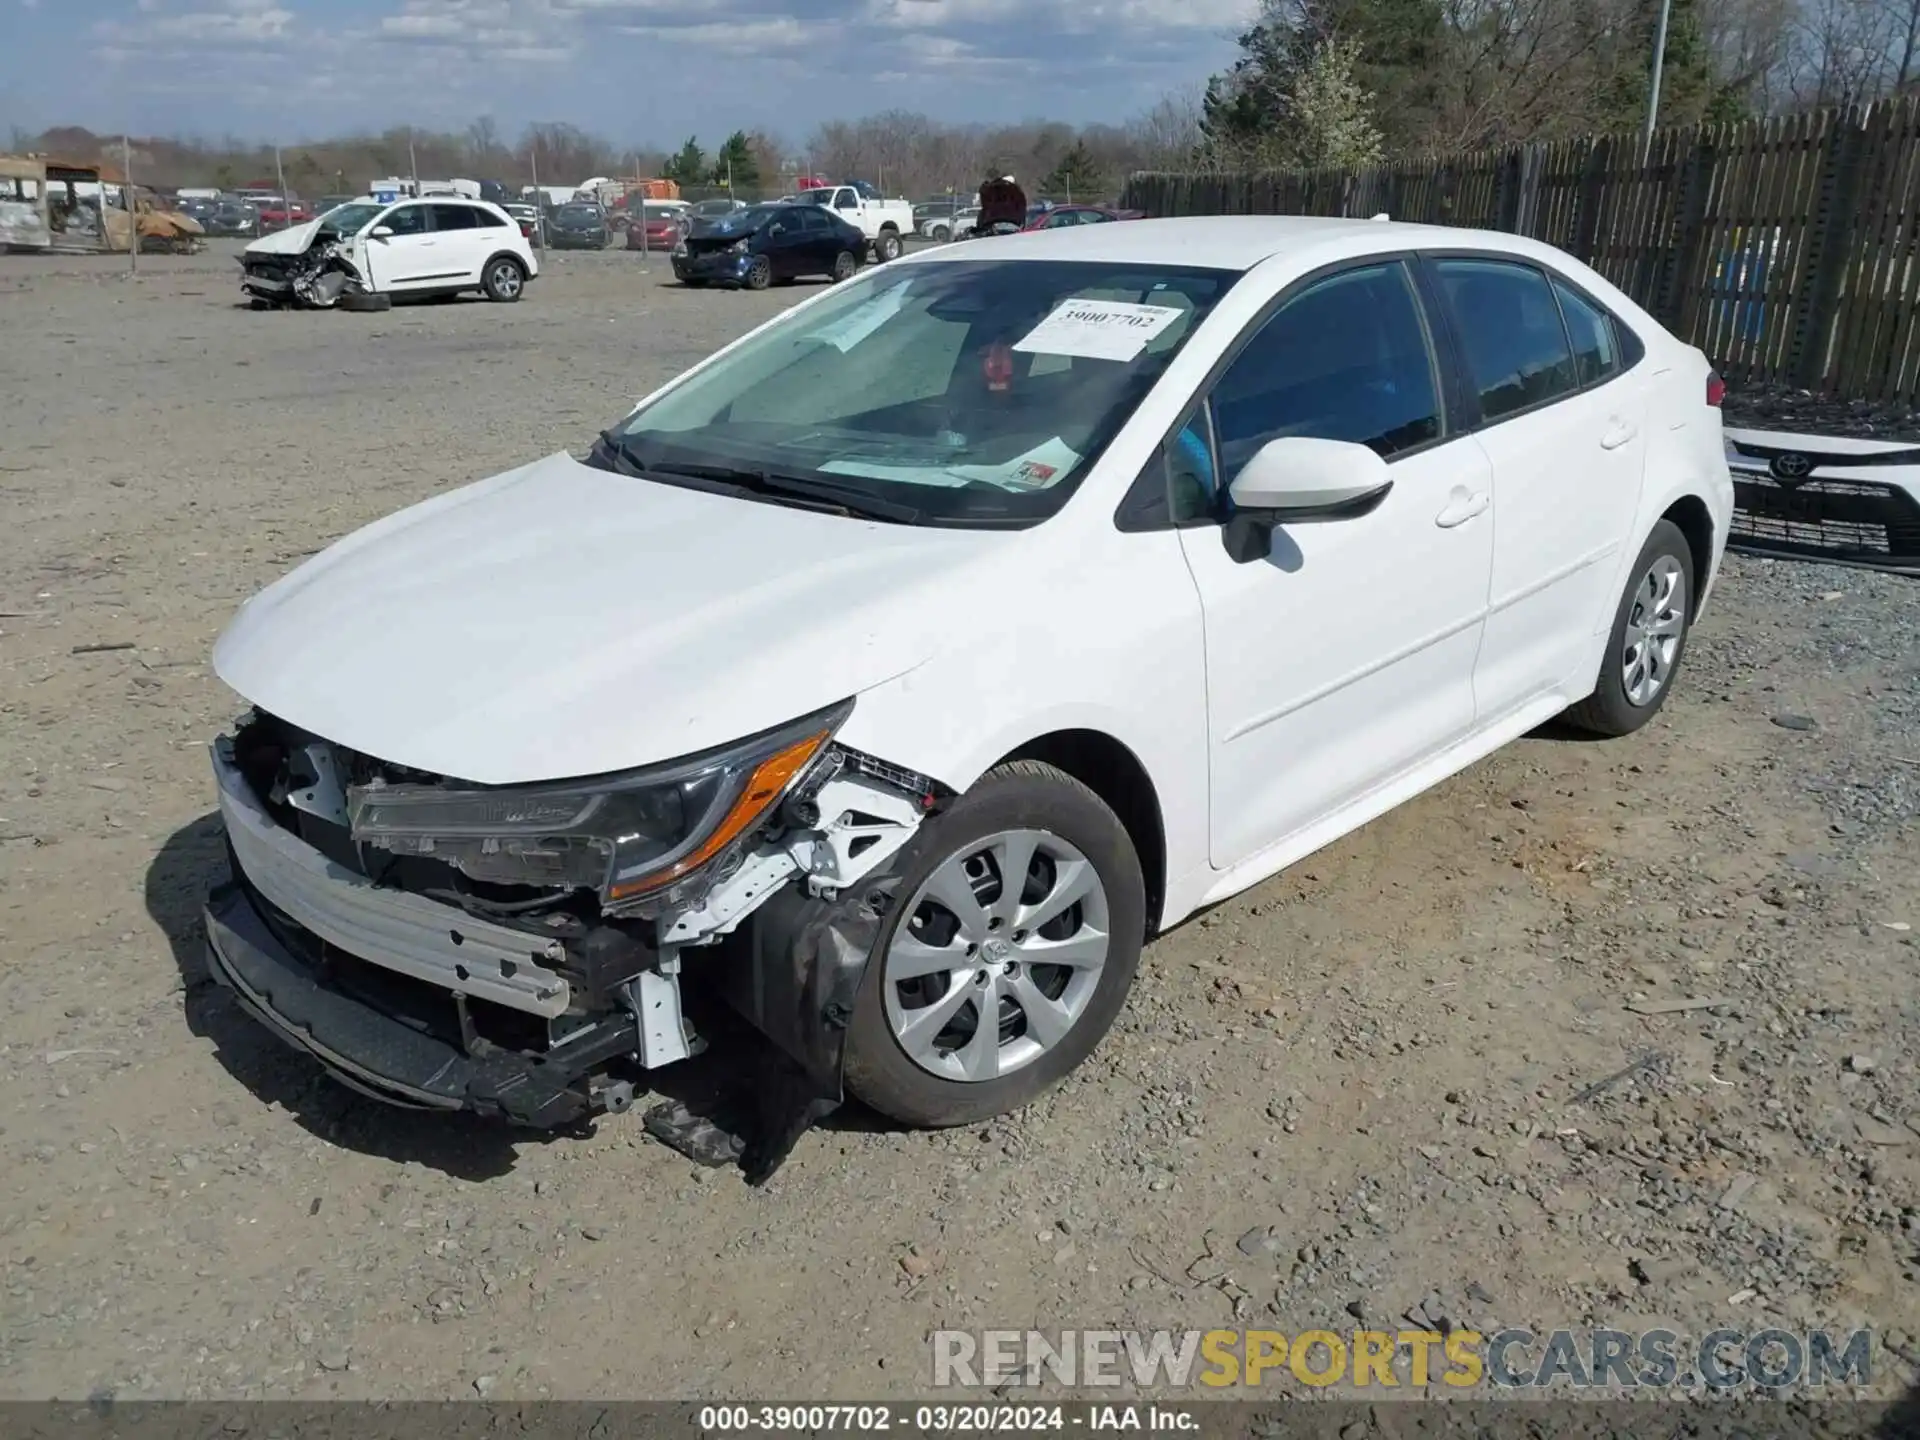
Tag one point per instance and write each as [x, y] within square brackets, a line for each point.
[637, 71]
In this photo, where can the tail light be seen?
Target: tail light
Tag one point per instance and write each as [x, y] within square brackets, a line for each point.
[1716, 389]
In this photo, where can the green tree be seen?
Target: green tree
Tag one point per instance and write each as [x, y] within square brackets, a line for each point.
[689, 167]
[1394, 52]
[737, 164]
[1077, 176]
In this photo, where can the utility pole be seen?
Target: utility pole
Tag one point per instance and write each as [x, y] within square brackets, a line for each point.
[280, 179]
[1653, 90]
[539, 197]
[413, 165]
[126, 194]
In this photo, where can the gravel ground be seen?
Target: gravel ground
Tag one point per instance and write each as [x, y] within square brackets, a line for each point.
[1413, 1076]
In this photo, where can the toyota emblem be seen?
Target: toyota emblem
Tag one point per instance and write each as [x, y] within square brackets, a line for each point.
[1791, 466]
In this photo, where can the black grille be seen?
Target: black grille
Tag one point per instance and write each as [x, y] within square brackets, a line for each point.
[1844, 519]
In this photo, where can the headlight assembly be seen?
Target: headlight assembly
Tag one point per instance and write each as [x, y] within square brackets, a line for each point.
[631, 837]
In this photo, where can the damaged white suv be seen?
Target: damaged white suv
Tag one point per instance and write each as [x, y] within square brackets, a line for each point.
[369, 247]
[897, 671]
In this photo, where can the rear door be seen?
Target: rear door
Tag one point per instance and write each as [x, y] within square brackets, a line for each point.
[1562, 423]
[462, 243]
[819, 242]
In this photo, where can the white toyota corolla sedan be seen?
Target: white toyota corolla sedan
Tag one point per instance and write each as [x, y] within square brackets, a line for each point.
[899, 670]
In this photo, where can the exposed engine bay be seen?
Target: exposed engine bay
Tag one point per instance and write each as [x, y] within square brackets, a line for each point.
[471, 972]
[318, 278]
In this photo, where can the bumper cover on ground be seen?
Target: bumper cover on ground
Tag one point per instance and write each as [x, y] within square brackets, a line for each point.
[379, 1055]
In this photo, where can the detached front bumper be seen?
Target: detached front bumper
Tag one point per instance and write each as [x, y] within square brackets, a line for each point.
[388, 1059]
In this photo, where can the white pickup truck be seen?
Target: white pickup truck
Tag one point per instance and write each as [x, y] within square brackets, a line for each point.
[883, 222]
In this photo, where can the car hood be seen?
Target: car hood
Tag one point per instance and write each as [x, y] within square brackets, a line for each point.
[291, 241]
[561, 620]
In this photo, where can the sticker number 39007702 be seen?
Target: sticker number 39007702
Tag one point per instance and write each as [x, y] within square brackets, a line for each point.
[1098, 329]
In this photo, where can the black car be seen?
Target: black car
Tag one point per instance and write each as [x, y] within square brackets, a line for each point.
[232, 217]
[578, 227]
[763, 243]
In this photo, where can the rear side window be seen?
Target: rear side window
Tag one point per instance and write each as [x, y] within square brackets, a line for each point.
[1516, 347]
[454, 217]
[1346, 359]
[487, 219]
[1596, 351]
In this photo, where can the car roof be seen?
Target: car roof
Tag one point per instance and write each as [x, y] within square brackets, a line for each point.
[1237, 242]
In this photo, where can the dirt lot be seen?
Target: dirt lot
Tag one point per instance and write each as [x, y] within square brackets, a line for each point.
[1387, 1082]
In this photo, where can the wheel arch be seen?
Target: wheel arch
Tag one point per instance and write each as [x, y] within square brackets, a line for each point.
[1112, 771]
[497, 256]
[1691, 517]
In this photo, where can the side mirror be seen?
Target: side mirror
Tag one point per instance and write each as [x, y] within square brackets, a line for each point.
[1297, 480]
[381, 232]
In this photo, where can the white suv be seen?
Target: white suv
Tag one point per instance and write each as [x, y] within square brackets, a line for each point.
[436, 246]
[902, 668]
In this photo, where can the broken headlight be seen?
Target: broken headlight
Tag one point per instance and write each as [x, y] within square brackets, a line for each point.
[629, 837]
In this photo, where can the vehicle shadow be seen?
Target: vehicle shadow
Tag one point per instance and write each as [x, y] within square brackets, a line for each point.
[193, 859]
[1901, 1420]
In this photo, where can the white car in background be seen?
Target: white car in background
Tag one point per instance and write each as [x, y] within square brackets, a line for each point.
[441, 245]
[903, 667]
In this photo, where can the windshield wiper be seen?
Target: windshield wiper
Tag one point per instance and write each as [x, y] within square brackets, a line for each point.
[762, 480]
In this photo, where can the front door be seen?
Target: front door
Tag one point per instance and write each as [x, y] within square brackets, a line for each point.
[1345, 656]
[404, 258]
[1562, 427]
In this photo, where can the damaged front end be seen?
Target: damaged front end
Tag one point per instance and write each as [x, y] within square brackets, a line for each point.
[519, 950]
[316, 278]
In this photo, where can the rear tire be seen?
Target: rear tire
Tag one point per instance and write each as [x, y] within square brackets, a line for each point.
[886, 246]
[504, 280]
[1046, 1017]
[1648, 639]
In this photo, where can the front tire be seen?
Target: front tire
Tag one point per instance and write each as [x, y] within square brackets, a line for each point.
[504, 280]
[760, 273]
[982, 992]
[844, 264]
[1648, 638]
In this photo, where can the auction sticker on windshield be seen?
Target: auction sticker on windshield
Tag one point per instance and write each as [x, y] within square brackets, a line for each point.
[861, 321]
[1098, 329]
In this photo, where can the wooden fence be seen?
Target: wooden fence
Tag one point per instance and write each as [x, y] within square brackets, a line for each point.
[1788, 249]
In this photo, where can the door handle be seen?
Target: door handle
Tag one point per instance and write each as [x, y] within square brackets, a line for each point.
[1619, 433]
[1462, 507]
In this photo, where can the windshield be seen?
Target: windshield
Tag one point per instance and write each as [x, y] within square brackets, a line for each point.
[349, 219]
[970, 392]
[578, 214]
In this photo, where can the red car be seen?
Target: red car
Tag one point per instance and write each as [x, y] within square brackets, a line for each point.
[662, 229]
[1060, 216]
[277, 214]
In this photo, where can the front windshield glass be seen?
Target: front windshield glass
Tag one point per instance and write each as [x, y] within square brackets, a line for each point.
[349, 219]
[967, 392]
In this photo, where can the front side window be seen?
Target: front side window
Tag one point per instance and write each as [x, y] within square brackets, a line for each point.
[1596, 354]
[973, 392]
[1346, 359]
[406, 220]
[341, 221]
[1510, 328]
